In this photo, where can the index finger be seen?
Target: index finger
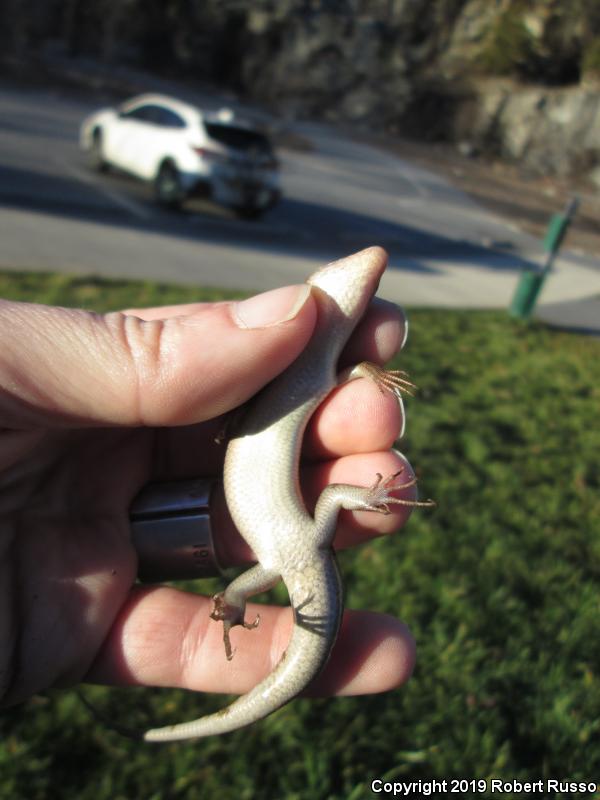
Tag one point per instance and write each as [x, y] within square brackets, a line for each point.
[165, 637]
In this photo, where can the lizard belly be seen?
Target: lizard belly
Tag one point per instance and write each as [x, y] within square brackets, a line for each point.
[261, 482]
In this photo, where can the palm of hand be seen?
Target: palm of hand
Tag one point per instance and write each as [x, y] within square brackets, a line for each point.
[67, 561]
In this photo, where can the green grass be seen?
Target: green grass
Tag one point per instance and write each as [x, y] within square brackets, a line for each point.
[499, 584]
[98, 294]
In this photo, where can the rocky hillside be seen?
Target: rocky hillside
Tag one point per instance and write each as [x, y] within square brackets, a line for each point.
[518, 77]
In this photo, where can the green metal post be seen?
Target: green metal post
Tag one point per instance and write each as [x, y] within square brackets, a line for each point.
[530, 283]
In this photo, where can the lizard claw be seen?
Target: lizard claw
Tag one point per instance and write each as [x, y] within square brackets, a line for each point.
[380, 496]
[388, 380]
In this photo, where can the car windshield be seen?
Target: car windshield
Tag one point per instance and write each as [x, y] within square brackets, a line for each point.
[238, 138]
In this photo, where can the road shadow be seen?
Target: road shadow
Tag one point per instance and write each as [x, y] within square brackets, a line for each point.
[294, 228]
[46, 130]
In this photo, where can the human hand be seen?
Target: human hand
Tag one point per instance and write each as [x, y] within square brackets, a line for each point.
[93, 407]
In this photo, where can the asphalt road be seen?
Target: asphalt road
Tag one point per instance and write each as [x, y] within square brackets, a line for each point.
[339, 196]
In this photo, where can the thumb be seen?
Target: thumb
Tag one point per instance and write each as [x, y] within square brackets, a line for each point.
[62, 366]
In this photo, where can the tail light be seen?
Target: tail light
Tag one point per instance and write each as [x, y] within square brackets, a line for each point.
[210, 155]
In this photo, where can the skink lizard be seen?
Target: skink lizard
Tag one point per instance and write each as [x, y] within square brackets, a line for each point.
[262, 491]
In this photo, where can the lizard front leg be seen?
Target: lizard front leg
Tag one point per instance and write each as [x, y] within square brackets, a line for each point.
[377, 497]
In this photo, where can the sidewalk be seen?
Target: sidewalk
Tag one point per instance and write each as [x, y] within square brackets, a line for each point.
[577, 316]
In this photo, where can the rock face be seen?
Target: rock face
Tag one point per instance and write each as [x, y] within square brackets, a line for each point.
[470, 71]
[328, 64]
[551, 131]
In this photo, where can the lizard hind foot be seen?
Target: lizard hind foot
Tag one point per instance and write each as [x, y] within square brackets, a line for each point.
[230, 615]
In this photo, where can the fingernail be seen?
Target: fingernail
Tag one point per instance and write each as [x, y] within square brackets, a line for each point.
[270, 308]
[405, 337]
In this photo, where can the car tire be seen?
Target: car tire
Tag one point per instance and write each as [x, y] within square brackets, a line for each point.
[96, 159]
[167, 186]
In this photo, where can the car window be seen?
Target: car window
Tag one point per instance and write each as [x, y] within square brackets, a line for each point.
[155, 115]
[168, 118]
[140, 113]
[238, 138]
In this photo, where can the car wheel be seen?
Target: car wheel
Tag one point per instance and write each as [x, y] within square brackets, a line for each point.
[96, 153]
[167, 186]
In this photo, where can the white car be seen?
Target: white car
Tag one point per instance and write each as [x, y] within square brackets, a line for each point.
[184, 151]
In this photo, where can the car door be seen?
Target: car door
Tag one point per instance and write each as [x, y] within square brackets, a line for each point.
[126, 139]
[157, 140]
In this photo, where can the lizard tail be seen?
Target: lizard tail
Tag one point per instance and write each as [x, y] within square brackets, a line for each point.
[316, 623]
